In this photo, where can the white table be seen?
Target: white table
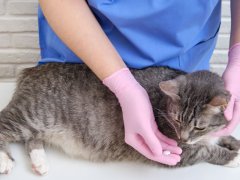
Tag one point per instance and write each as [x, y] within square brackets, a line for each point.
[63, 167]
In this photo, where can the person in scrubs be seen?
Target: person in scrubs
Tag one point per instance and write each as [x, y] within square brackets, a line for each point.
[110, 36]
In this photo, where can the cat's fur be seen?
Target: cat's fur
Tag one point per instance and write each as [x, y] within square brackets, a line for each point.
[67, 106]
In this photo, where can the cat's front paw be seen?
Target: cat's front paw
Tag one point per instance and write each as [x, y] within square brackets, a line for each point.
[6, 163]
[39, 161]
[235, 162]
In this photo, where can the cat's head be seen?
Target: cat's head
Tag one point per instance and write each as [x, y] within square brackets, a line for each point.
[194, 105]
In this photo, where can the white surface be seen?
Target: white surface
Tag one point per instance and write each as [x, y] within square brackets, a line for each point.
[62, 167]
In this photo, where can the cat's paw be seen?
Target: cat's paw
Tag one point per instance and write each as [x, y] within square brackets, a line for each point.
[6, 163]
[235, 162]
[39, 161]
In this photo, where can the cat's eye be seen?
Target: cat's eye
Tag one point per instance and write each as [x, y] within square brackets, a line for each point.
[199, 128]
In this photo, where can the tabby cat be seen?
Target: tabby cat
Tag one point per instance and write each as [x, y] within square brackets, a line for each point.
[67, 106]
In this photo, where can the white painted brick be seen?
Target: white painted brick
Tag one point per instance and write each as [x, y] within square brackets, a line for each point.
[219, 57]
[26, 7]
[19, 56]
[19, 68]
[5, 40]
[7, 71]
[218, 68]
[8, 80]
[18, 24]
[25, 41]
[223, 41]
[225, 26]
[2, 7]
[226, 8]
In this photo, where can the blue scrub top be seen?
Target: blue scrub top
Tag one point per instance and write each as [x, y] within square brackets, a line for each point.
[177, 33]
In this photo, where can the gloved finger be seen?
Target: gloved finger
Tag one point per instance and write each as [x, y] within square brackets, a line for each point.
[228, 113]
[171, 159]
[233, 123]
[153, 143]
[236, 118]
[165, 139]
[138, 143]
[172, 149]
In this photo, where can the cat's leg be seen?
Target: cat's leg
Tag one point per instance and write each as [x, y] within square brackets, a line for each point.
[223, 156]
[37, 155]
[6, 136]
[10, 131]
[230, 143]
[6, 160]
[213, 154]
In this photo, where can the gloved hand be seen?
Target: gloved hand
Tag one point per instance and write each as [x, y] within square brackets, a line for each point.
[141, 130]
[231, 77]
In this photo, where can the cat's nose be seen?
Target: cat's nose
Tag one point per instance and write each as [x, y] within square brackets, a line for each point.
[184, 140]
[184, 136]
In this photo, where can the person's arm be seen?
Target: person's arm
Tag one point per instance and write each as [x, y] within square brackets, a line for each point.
[75, 24]
[235, 22]
[231, 75]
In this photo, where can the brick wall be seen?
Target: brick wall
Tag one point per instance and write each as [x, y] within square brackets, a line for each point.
[219, 59]
[19, 37]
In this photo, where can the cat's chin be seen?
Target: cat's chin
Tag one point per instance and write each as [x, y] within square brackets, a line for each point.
[195, 140]
[204, 139]
[192, 142]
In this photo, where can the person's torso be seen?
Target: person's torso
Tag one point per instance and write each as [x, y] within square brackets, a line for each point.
[179, 34]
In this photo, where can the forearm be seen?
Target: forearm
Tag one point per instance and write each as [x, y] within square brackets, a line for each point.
[75, 24]
[232, 72]
[235, 22]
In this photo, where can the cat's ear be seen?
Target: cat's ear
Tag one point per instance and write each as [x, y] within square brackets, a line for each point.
[171, 87]
[220, 101]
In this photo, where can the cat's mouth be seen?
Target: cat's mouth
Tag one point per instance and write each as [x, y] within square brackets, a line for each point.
[193, 141]
[197, 140]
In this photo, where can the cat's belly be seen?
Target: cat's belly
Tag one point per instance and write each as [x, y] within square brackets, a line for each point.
[69, 144]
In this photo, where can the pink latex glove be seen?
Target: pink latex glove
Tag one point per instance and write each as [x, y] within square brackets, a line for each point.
[141, 130]
[231, 77]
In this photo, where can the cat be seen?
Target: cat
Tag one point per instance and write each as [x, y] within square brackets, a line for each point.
[67, 106]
